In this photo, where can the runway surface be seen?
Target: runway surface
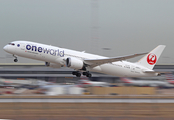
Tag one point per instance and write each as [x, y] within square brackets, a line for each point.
[69, 100]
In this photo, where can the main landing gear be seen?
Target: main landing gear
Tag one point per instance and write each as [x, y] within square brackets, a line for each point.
[88, 74]
[15, 60]
[78, 74]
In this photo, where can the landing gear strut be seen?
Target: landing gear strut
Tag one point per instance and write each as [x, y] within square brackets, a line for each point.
[15, 60]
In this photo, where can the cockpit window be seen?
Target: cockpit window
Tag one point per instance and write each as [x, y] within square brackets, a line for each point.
[11, 43]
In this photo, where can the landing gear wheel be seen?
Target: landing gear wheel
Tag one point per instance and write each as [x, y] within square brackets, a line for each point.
[84, 73]
[89, 75]
[78, 74]
[15, 60]
[74, 72]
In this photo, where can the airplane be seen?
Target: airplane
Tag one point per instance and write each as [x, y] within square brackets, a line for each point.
[152, 83]
[84, 63]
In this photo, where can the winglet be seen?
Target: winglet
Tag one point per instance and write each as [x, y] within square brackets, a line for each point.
[152, 57]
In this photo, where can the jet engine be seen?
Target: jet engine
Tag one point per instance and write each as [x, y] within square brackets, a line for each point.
[75, 63]
[53, 65]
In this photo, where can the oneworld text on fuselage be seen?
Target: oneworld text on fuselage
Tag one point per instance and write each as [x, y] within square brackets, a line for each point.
[53, 52]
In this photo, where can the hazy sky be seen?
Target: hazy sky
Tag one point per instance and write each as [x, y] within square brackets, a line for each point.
[124, 26]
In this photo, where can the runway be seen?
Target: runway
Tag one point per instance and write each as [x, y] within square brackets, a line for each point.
[76, 100]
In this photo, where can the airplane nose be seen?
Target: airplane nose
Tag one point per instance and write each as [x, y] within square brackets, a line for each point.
[5, 48]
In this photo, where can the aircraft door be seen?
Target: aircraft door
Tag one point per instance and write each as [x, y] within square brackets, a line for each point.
[133, 69]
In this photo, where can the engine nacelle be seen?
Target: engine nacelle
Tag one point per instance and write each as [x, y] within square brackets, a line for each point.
[53, 65]
[75, 63]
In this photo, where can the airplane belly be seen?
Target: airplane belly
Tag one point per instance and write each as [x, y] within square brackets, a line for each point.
[119, 71]
[109, 69]
[112, 70]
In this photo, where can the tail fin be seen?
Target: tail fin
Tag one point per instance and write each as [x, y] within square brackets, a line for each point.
[152, 57]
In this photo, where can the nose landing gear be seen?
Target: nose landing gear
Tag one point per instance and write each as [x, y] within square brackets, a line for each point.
[15, 60]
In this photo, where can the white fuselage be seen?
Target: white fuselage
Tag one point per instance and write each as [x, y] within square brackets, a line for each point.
[58, 55]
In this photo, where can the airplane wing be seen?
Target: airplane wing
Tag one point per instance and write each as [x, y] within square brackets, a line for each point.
[96, 62]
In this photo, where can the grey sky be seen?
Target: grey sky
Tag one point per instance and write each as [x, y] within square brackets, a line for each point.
[125, 26]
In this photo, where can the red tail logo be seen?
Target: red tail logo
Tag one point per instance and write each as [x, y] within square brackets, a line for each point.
[151, 59]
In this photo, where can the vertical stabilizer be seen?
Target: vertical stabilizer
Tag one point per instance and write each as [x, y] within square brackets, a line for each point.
[152, 57]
